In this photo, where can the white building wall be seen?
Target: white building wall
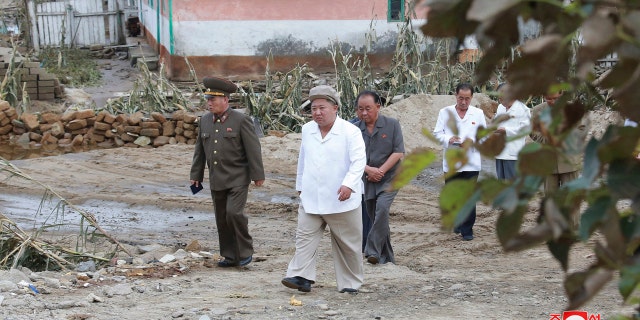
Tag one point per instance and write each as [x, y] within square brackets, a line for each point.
[241, 38]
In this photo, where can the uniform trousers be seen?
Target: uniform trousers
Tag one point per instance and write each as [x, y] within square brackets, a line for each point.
[233, 225]
[346, 239]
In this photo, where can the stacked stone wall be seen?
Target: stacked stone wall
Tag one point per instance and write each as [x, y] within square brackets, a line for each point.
[86, 127]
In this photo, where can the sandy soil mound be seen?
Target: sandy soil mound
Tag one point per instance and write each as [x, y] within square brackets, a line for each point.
[420, 112]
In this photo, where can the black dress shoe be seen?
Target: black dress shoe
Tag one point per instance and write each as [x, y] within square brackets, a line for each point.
[246, 261]
[226, 263]
[349, 290]
[299, 283]
[373, 259]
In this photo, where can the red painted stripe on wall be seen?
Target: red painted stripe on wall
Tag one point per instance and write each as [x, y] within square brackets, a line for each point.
[208, 10]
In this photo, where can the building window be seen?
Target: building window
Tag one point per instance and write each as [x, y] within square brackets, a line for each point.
[396, 10]
[151, 3]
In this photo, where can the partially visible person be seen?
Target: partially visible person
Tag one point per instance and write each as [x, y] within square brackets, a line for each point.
[366, 222]
[519, 123]
[631, 123]
[228, 145]
[385, 148]
[567, 166]
[467, 119]
[329, 180]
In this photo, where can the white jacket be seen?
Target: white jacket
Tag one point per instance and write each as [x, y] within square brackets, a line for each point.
[325, 164]
[467, 128]
[519, 122]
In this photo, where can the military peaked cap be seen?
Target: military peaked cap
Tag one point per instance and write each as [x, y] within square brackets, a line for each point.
[218, 87]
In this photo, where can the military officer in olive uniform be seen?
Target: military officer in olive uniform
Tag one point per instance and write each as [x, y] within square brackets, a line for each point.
[228, 145]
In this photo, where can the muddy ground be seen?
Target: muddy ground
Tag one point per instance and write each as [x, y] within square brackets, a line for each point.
[141, 197]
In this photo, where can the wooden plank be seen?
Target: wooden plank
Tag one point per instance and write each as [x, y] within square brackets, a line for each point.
[92, 14]
[118, 22]
[96, 23]
[103, 20]
[49, 23]
[85, 31]
[59, 23]
[56, 25]
[100, 31]
[88, 23]
[40, 25]
[45, 25]
[79, 33]
[112, 6]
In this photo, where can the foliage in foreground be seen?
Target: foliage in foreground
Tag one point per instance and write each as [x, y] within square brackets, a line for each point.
[609, 188]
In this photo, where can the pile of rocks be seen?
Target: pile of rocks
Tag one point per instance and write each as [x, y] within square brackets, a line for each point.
[84, 127]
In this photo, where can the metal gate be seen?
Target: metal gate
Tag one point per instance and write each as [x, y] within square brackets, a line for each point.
[78, 23]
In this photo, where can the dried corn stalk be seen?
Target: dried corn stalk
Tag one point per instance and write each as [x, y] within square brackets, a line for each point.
[152, 92]
[277, 106]
[37, 251]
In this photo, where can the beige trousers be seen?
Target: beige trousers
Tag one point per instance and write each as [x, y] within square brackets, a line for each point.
[346, 246]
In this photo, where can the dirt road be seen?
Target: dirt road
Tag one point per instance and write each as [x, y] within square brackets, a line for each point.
[141, 197]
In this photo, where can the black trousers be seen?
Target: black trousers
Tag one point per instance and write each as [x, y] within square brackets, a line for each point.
[466, 228]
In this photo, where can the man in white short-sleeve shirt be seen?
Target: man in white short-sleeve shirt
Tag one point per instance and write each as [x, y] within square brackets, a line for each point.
[467, 119]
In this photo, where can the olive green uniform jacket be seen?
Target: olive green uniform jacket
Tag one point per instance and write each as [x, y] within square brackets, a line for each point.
[230, 149]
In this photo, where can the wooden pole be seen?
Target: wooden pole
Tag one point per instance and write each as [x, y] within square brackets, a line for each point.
[33, 24]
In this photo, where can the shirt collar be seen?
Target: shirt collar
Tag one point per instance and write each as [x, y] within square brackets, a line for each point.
[221, 117]
[337, 127]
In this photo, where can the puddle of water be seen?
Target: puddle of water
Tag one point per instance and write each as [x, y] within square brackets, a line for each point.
[113, 217]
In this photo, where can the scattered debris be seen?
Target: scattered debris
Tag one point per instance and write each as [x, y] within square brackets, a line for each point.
[295, 302]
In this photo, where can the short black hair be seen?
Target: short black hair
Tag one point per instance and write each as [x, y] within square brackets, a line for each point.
[464, 86]
[376, 97]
